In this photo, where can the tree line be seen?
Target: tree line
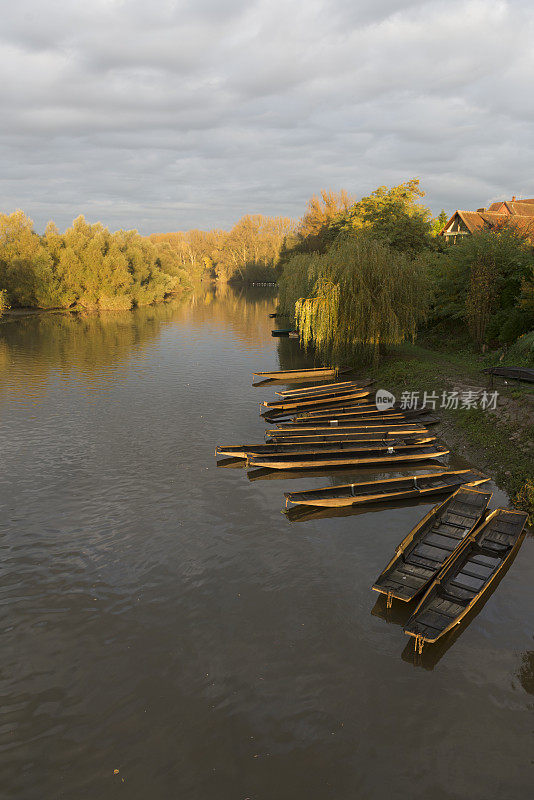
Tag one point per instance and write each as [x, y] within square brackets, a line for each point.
[86, 266]
[364, 274]
[355, 275]
[90, 267]
[250, 251]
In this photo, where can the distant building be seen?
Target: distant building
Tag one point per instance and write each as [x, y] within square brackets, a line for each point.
[519, 213]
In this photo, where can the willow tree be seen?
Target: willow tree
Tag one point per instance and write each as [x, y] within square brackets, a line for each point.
[365, 296]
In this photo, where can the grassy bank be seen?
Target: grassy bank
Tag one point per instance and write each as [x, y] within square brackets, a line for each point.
[501, 441]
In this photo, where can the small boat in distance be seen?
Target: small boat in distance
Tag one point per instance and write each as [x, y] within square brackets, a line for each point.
[466, 578]
[296, 374]
[284, 332]
[410, 486]
[431, 544]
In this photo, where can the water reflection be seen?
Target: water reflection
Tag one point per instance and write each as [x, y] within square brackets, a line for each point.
[39, 346]
[161, 617]
[302, 513]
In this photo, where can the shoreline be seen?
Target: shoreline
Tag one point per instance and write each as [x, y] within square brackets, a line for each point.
[500, 442]
[12, 314]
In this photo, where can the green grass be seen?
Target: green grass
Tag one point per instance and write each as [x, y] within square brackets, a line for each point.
[500, 443]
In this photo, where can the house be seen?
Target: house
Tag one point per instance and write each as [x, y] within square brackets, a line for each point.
[517, 213]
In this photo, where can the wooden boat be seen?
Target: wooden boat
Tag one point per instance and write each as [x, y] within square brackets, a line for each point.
[319, 400]
[359, 408]
[431, 544]
[357, 412]
[283, 332]
[335, 398]
[340, 436]
[369, 471]
[418, 486]
[323, 387]
[296, 374]
[329, 416]
[364, 422]
[320, 393]
[288, 424]
[311, 448]
[512, 373]
[357, 457]
[395, 428]
[465, 579]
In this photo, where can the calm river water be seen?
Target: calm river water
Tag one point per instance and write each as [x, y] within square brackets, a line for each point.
[168, 633]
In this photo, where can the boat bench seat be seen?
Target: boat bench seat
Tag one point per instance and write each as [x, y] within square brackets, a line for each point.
[406, 580]
[469, 582]
[486, 559]
[433, 620]
[454, 596]
[446, 607]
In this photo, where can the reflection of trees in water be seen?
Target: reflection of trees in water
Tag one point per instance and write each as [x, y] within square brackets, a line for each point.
[292, 356]
[41, 343]
[242, 309]
[525, 672]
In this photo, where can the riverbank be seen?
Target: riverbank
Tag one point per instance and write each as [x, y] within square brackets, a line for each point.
[499, 441]
[11, 314]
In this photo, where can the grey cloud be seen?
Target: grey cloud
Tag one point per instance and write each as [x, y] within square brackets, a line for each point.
[189, 114]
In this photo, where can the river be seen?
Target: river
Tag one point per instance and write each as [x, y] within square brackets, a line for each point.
[168, 633]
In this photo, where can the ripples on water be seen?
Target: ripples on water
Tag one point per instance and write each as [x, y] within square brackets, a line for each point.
[161, 617]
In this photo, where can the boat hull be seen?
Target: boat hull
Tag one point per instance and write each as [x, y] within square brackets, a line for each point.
[418, 454]
[390, 489]
[468, 578]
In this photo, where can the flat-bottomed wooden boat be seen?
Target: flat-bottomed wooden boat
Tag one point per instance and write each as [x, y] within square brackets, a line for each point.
[431, 544]
[323, 387]
[343, 436]
[465, 579]
[390, 489]
[312, 448]
[365, 422]
[324, 394]
[328, 401]
[358, 409]
[296, 374]
[364, 457]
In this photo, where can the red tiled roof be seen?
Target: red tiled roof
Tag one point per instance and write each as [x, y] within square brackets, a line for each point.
[487, 220]
[521, 208]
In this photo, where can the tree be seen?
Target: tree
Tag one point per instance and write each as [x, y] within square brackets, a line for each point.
[483, 281]
[438, 223]
[323, 210]
[357, 297]
[392, 216]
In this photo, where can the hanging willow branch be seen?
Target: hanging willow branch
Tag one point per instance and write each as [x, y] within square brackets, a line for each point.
[358, 296]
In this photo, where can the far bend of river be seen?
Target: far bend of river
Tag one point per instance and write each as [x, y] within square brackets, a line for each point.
[162, 618]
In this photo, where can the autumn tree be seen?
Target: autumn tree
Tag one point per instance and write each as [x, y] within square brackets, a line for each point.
[322, 210]
[393, 216]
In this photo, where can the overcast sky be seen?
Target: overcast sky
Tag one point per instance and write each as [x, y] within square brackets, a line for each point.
[173, 114]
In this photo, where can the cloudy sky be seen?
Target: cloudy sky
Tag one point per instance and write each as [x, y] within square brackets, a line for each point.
[189, 113]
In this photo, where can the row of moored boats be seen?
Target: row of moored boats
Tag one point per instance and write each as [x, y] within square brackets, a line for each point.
[454, 554]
